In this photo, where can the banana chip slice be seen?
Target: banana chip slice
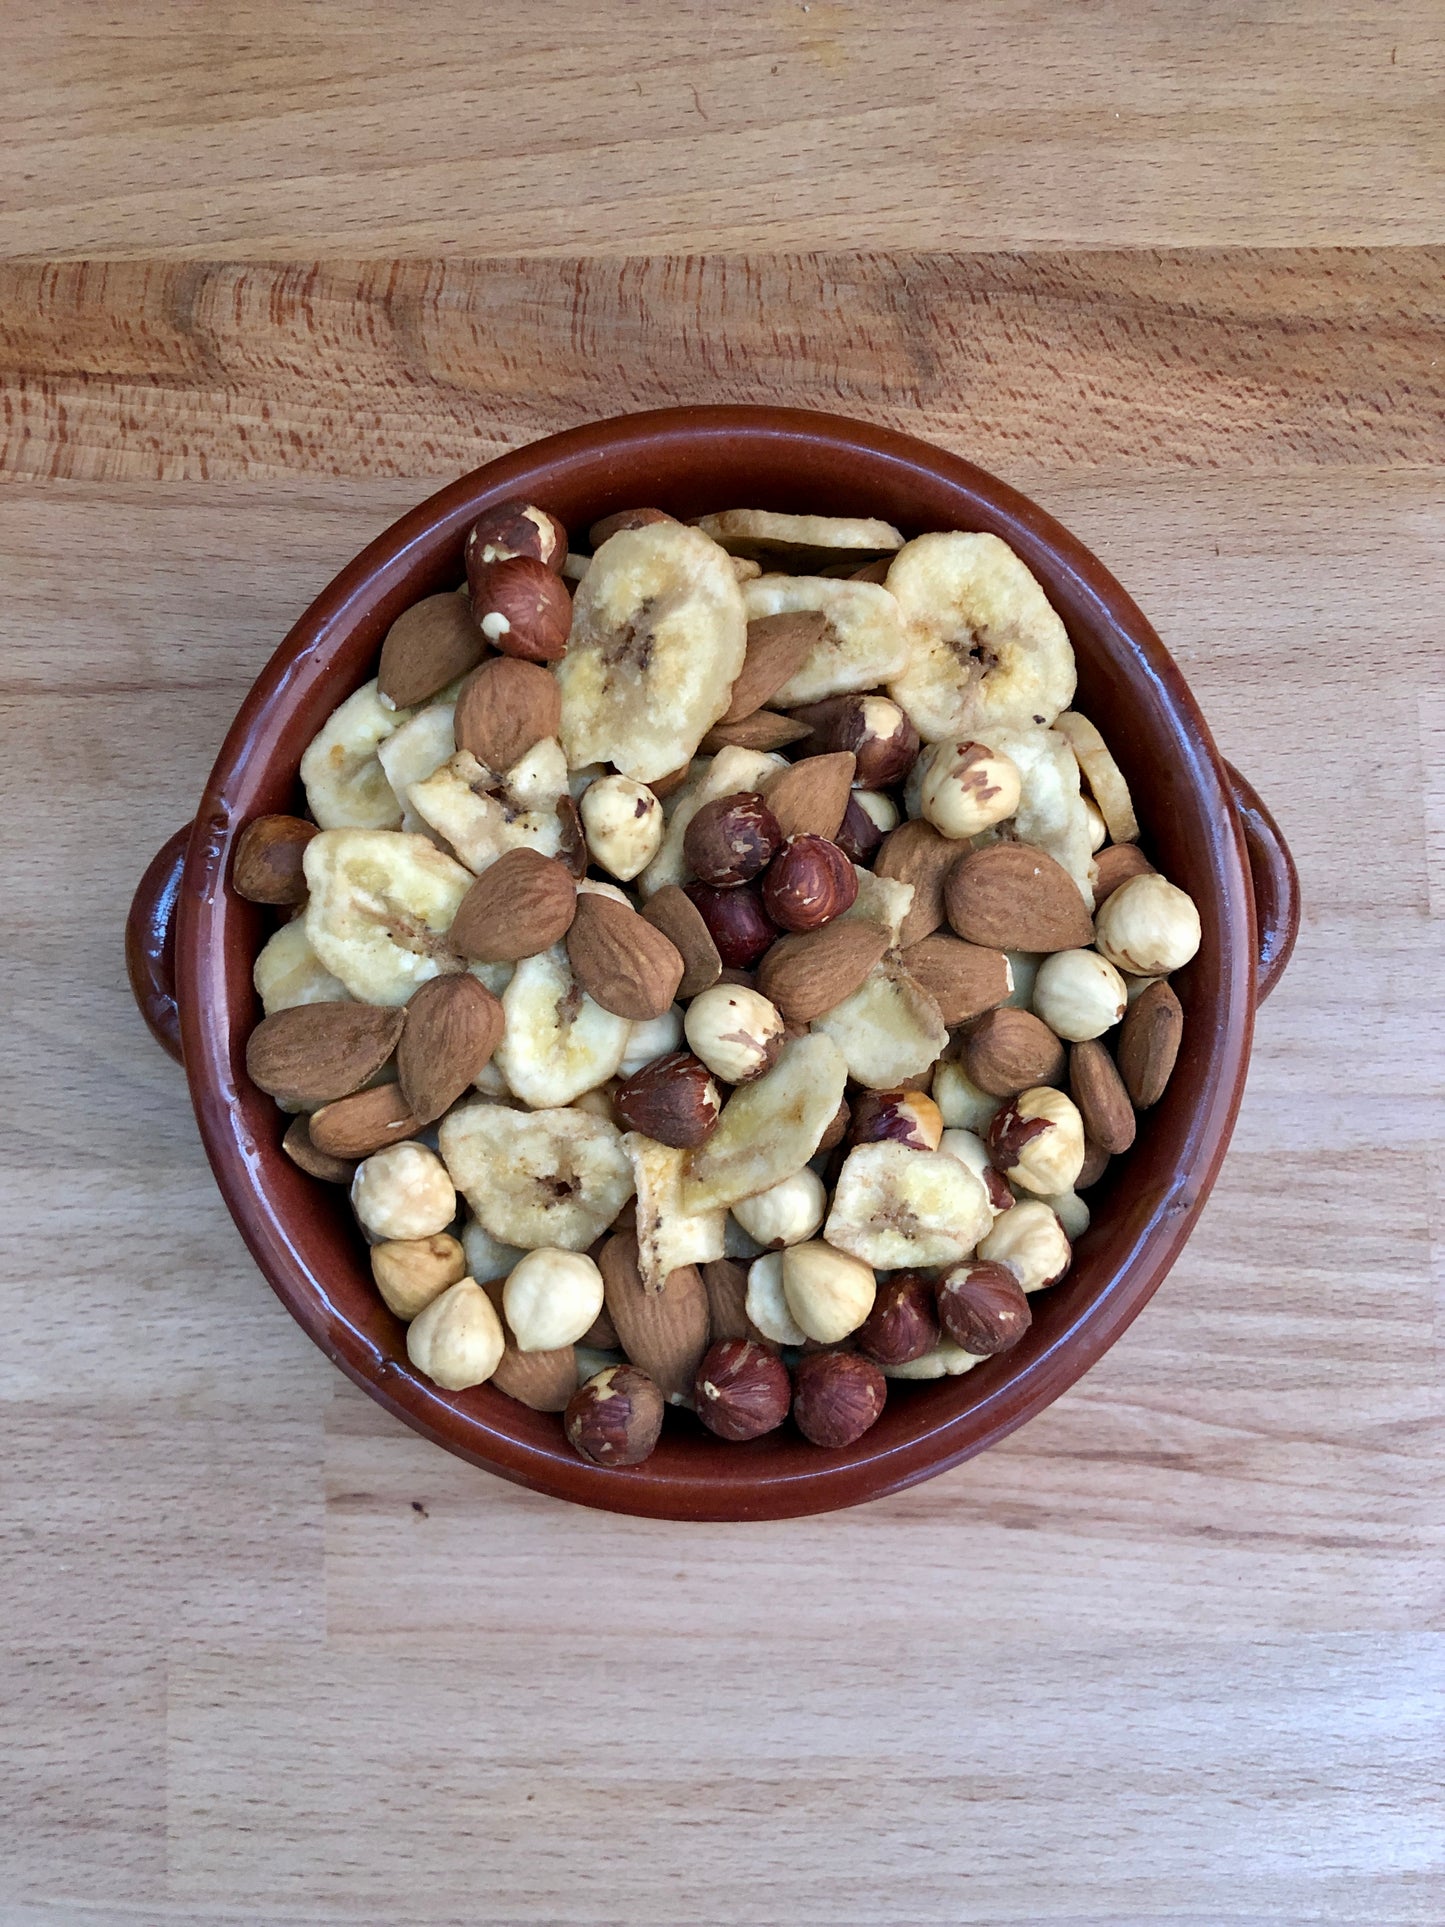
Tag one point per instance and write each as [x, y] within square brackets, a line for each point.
[381, 904]
[768, 1128]
[1102, 774]
[482, 816]
[667, 1235]
[1051, 813]
[658, 638]
[415, 752]
[985, 646]
[558, 1042]
[803, 541]
[895, 1207]
[346, 786]
[888, 1030]
[865, 643]
[536, 1178]
[289, 972]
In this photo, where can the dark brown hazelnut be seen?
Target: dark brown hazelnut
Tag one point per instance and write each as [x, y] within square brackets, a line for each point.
[903, 1323]
[616, 1417]
[522, 608]
[897, 1117]
[741, 1390]
[837, 1396]
[860, 833]
[732, 839]
[838, 1129]
[673, 1099]
[983, 1307]
[736, 922]
[808, 883]
[267, 864]
[624, 519]
[511, 529]
[882, 739]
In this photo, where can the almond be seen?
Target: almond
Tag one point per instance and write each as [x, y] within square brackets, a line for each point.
[915, 853]
[355, 1126]
[1097, 1088]
[453, 1024]
[726, 1284]
[765, 730]
[1115, 865]
[807, 975]
[429, 645]
[521, 904]
[1012, 896]
[664, 1333]
[675, 914]
[1009, 1051]
[543, 1380]
[809, 798]
[316, 1052]
[317, 1164]
[1149, 1039]
[267, 864]
[505, 708]
[778, 646]
[1096, 1163]
[963, 979]
[621, 960]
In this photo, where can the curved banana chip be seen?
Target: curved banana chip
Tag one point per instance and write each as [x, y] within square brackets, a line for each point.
[805, 541]
[865, 643]
[1102, 774]
[289, 972]
[417, 750]
[381, 904]
[558, 1042]
[895, 1207]
[346, 786]
[482, 816]
[535, 1178]
[1051, 813]
[888, 1030]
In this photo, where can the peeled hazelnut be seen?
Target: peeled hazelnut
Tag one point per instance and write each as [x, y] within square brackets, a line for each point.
[404, 1191]
[809, 882]
[673, 1099]
[624, 825]
[971, 1150]
[766, 1307]
[410, 1272]
[897, 1117]
[457, 1340]
[1031, 1242]
[878, 733]
[1098, 828]
[1079, 994]
[736, 922]
[741, 1390]
[616, 1417]
[1038, 1140]
[551, 1298]
[1072, 1213]
[786, 1213]
[982, 1307]
[522, 608]
[829, 1293]
[963, 1105]
[267, 865]
[736, 1032]
[869, 817]
[837, 1396]
[732, 839]
[967, 788]
[649, 1038]
[514, 528]
[1148, 927]
[903, 1323]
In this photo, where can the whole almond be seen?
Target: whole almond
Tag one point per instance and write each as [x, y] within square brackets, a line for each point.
[601, 1334]
[267, 865]
[1097, 1088]
[778, 646]
[621, 960]
[1011, 896]
[429, 645]
[367, 1121]
[1114, 865]
[1149, 1039]
[675, 914]
[453, 1024]
[665, 1333]
[810, 974]
[317, 1052]
[316, 1164]
[764, 729]
[809, 798]
[542, 1380]
[963, 979]
[915, 853]
[726, 1284]
[1096, 1163]
[521, 904]
[1009, 1051]
[505, 708]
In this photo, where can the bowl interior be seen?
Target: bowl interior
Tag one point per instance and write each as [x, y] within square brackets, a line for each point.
[689, 462]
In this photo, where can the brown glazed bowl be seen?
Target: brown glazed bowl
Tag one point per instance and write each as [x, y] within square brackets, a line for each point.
[192, 942]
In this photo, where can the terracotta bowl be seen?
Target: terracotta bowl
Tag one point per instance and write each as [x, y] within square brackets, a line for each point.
[192, 942]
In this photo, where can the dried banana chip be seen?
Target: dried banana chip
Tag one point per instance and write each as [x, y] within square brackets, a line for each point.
[803, 541]
[289, 972]
[381, 904]
[1051, 813]
[417, 750]
[1102, 774]
[667, 1235]
[536, 1178]
[865, 643]
[558, 1042]
[346, 786]
[888, 1030]
[482, 815]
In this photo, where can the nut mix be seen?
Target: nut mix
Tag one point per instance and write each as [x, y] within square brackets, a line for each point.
[740, 926]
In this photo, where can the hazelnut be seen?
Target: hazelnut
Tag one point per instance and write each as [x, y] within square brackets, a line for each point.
[457, 1340]
[410, 1272]
[403, 1191]
[1079, 994]
[267, 865]
[741, 1390]
[624, 519]
[732, 839]
[962, 1104]
[880, 736]
[1098, 828]
[967, 788]
[673, 1099]
[828, 1292]
[1072, 1213]
[651, 1037]
[1038, 1140]
[971, 1150]
[736, 1032]
[869, 817]
[623, 823]
[487, 1257]
[1031, 1242]
[616, 1417]
[765, 1304]
[837, 1396]
[736, 922]
[897, 1117]
[838, 1129]
[903, 1323]
[514, 528]
[551, 1298]
[982, 1307]
[785, 1214]
[809, 882]
[522, 608]
[1148, 926]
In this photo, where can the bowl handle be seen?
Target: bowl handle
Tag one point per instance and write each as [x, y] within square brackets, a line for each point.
[1276, 884]
[150, 942]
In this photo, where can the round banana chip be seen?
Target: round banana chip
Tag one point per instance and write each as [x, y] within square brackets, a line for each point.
[346, 786]
[534, 1178]
[658, 638]
[417, 750]
[985, 646]
[895, 1207]
[558, 1042]
[482, 815]
[289, 972]
[864, 644]
[381, 904]
[1102, 774]
[803, 541]
[1051, 813]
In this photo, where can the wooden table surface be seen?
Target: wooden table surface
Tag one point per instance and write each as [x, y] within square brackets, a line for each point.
[1174, 1652]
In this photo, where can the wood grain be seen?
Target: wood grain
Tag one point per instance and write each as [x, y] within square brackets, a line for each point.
[1173, 1653]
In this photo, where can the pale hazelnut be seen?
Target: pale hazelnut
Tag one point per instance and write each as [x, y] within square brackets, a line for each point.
[1037, 1141]
[983, 1307]
[765, 1304]
[903, 1323]
[522, 608]
[403, 1191]
[1148, 926]
[971, 1150]
[487, 1257]
[736, 921]
[672, 1100]
[732, 839]
[651, 1037]
[946, 1360]
[962, 1104]
[410, 1272]
[551, 1298]
[736, 1032]
[1098, 828]
[1031, 1242]
[457, 1340]
[829, 1293]
[615, 1418]
[837, 1396]
[623, 823]
[1072, 1213]
[967, 788]
[897, 1117]
[1079, 994]
[741, 1390]
[787, 1213]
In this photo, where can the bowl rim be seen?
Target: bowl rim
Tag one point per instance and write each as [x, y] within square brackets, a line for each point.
[372, 589]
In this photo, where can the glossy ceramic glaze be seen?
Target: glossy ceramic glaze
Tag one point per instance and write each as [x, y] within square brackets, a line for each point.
[1197, 816]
